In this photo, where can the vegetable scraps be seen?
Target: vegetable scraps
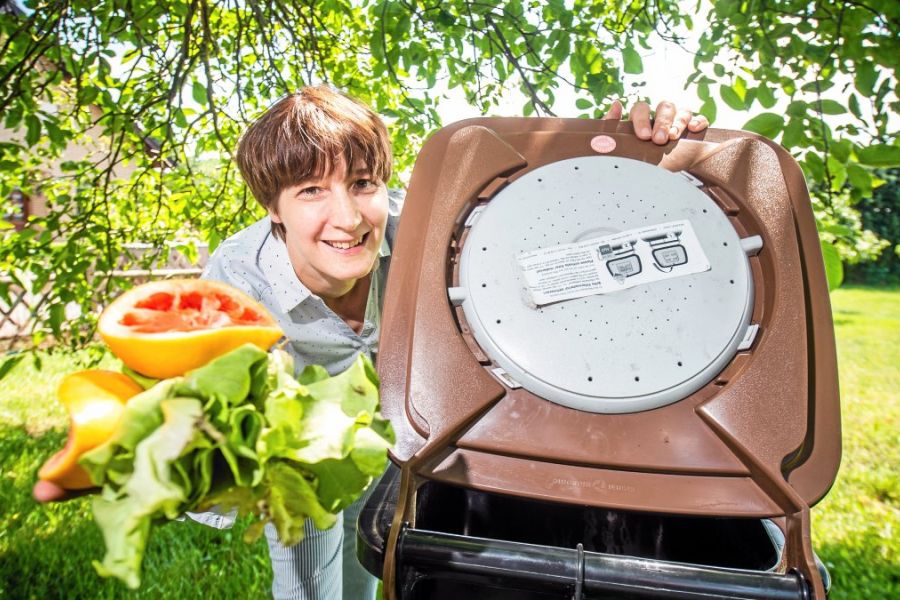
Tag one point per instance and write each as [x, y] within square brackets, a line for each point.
[238, 433]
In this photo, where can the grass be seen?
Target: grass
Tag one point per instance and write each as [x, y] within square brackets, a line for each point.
[45, 552]
[856, 528]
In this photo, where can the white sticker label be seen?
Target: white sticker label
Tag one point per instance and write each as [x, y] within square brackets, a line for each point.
[613, 262]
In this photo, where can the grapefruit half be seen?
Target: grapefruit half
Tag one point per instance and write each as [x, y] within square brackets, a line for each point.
[163, 329]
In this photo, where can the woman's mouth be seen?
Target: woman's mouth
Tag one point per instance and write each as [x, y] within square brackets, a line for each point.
[348, 244]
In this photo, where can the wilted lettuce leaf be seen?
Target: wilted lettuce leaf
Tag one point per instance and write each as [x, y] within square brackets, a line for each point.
[227, 378]
[142, 416]
[291, 499]
[125, 517]
[240, 433]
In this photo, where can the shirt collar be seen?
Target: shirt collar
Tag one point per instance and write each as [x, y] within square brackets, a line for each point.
[287, 288]
[385, 249]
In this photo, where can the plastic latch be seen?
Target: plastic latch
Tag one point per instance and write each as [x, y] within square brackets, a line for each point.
[691, 179]
[749, 336]
[506, 378]
[752, 245]
[457, 295]
[473, 216]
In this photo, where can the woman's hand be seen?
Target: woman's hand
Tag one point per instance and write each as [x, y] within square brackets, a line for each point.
[45, 491]
[668, 125]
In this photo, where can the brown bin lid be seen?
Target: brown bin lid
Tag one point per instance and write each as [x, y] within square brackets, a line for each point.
[757, 434]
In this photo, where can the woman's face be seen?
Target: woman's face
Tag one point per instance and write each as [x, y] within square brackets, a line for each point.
[334, 227]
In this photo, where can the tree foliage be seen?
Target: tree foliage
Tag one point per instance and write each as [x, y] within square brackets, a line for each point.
[159, 91]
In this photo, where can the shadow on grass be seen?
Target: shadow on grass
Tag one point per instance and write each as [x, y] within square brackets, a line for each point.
[46, 551]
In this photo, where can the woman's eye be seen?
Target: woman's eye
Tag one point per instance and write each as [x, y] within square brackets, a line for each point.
[364, 184]
[309, 191]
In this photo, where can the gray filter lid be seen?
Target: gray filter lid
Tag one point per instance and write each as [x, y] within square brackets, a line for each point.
[629, 350]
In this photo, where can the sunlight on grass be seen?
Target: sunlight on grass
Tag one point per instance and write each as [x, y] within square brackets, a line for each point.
[856, 528]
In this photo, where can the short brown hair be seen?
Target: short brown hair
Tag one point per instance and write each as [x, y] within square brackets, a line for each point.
[303, 136]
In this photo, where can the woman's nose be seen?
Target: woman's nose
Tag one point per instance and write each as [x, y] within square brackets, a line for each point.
[345, 211]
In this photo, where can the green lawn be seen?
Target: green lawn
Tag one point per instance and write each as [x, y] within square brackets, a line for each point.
[45, 552]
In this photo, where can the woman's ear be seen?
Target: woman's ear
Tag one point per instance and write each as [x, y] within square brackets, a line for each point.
[273, 214]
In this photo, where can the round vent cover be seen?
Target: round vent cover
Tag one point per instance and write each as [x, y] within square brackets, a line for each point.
[625, 351]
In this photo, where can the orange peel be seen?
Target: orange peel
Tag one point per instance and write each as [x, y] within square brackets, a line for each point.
[95, 400]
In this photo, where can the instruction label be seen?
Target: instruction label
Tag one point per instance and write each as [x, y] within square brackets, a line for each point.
[614, 262]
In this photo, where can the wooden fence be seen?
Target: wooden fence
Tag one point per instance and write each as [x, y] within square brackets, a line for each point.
[28, 307]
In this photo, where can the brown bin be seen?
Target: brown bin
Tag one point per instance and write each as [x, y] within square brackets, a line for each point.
[703, 404]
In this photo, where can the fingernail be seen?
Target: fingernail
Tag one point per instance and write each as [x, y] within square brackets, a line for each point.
[644, 133]
[660, 136]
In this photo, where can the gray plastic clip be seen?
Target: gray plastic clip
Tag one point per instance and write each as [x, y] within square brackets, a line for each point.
[751, 245]
[457, 295]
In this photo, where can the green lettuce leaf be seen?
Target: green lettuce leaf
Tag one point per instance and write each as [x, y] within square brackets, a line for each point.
[291, 500]
[142, 416]
[125, 517]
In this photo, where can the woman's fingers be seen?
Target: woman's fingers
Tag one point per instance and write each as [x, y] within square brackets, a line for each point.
[44, 491]
[615, 112]
[665, 116]
[680, 123]
[640, 118]
[698, 123]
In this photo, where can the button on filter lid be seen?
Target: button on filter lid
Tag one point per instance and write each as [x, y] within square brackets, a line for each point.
[618, 351]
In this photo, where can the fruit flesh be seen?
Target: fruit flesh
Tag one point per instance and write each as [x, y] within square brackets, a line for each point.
[95, 401]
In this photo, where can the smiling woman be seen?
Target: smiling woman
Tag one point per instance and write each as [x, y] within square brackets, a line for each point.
[317, 161]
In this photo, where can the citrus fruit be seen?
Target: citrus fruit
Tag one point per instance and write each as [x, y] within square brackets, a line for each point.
[94, 400]
[163, 329]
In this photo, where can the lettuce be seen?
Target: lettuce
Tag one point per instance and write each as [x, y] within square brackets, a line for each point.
[240, 433]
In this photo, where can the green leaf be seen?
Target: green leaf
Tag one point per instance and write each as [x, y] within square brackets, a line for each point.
[765, 96]
[57, 316]
[879, 155]
[633, 63]
[583, 104]
[853, 103]
[834, 270]
[794, 134]
[198, 93]
[226, 379]
[830, 107]
[9, 364]
[708, 110]
[866, 78]
[731, 97]
[765, 124]
[125, 518]
[860, 178]
[33, 130]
